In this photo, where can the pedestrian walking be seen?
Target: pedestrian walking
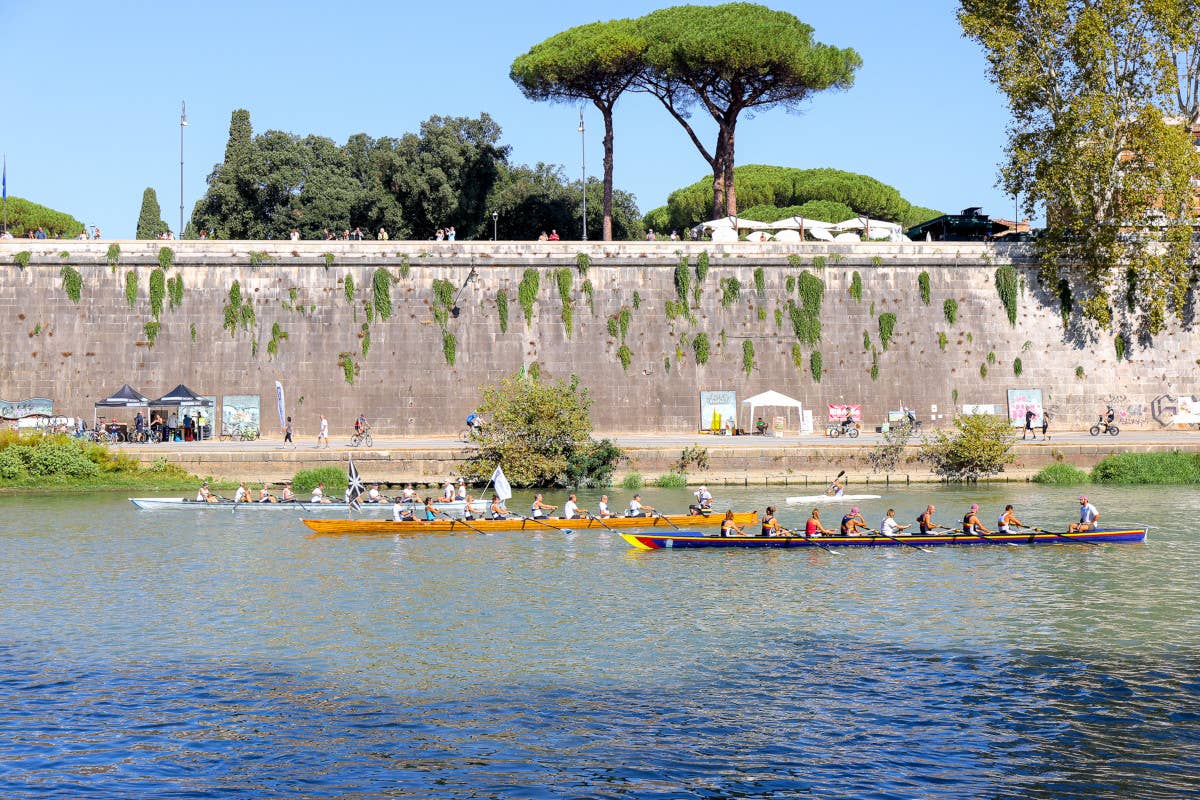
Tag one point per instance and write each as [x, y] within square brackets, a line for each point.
[323, 433]
[1029, 415]
[1045, 424]
[287, 434]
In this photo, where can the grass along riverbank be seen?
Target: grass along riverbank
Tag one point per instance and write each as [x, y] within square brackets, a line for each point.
[1173, 468]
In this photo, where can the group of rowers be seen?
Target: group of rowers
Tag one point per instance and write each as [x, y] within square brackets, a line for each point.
[853, 523]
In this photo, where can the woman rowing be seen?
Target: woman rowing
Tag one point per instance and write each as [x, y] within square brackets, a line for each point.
[813, 526]
[1008, 520]
[971, 524]
[430, 511]
[498, 509]
[770, 525]
[729, 527]
[852, 523]
[889, 527]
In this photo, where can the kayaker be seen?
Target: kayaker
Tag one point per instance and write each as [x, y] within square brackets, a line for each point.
[1008, 520]
[925, 521]
[852, 523]
[889, 526]
[401, 512]
[242, 495]
[602, 507]
[729, 527]
[813, 526]
[539, 509]
[1088, 516]
[498, 509]
[636, 509]
[570, 508]
[770, 525]
[837, 488]
[703, 504]
[971, 524]
[288, 495]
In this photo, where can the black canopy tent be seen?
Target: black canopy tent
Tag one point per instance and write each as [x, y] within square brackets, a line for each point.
[125, 397]
[182, 396]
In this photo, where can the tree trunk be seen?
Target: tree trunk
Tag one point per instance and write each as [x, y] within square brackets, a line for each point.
[727, 160]
[607, 233]
[719, 174]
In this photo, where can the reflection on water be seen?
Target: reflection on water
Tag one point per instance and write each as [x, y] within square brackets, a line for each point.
[205, 654]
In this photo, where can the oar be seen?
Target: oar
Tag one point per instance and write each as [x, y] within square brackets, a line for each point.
[664, 519]
[544, 525]
[900, 541]
[592, 516]
[463, 521]
[835, 480]
[810, 540]
[988, 539]
[1067, 536]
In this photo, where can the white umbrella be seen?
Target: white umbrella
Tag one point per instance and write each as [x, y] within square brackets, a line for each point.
[864, 223]
[733, 223]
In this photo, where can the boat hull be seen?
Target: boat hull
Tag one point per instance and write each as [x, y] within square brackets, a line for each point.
[695, 539]
[379, 526]
[303, 506]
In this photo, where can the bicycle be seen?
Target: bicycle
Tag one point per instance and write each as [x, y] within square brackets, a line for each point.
[465, 434]
[364, 439]
[1106, 427]
[834, 431]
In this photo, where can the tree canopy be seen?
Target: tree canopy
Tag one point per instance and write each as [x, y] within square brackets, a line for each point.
[25, 215]
[1101, 94]
[596, 63]
[532, 200]
[150, 224]
[733, 58]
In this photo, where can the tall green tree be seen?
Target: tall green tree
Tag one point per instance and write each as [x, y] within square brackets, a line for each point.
[150, 224]
[25, 215]
[730, 59]
[1097, 142]
[531, 200]
[597, 63]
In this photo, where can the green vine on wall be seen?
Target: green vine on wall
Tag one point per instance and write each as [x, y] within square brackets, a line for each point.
[702, 266]
[613, 329]
[381, 285]
[991, 357]
[158, 291]
[923, 287]
[625, 356]
[21, 259]
[563, 278]
[364, 336]
[175, 290]
[151, 330]
[113, 255]
[856, 287]
[814, 365]
[874, 364]
[983, 370]
[278, 334]
[623, 317]
[348, 287]
[1007, 285]
[166, 257]
[237, 311]
[1018, 367]
[329, 257]
[806, 317]
[527, 293]
[789, 284]
[887, 324]
[1120, 345]
[637, 300]
[700, 346]
[748, 356]
[502, 308]
[779, 319]
[760, 281]
[731, 290]
[950, 310]
[349, 367]
[260, 257]
[683, 278]
[942, 340]
[72, 283]
[589, 292]
[866, 341]
[797, 355]
[405, 269]
[582, 262]
[131, 288]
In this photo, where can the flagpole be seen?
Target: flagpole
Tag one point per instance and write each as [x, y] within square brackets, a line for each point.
[6, 192]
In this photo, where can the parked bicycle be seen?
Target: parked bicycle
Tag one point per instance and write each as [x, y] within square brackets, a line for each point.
[240, 432]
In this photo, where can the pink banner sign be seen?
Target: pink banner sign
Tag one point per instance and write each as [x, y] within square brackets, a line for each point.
[837, 412]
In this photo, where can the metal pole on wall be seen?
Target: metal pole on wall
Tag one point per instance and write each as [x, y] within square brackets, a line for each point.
[182, 124]
[583, 164]
[495, 223]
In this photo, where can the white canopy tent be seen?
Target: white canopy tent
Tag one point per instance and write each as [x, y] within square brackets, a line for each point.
[871, 228]
[733, 224]
[771, 399]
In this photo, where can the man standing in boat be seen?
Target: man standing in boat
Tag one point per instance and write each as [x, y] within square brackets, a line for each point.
[1088, 516]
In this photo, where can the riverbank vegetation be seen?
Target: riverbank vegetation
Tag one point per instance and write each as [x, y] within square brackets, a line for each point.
[34, 461]
[1173, 468]
[977, 446]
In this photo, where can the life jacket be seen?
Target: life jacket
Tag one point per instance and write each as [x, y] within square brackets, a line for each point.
[967, 526]
[923, 522]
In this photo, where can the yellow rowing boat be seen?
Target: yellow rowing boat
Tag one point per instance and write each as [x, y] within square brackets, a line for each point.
[339, 526]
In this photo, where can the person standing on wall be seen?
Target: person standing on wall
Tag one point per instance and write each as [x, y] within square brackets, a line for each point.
[1029, 415]
[287, 434]
[323, 433]
[1045, 425]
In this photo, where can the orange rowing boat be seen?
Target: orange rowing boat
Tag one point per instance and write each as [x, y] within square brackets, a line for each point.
[340, 526]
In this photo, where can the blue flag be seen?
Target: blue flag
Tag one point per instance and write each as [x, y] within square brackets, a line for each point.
[4, 179]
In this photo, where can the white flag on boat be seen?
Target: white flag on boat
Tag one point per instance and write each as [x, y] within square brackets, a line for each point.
[503, 490]
[354, 487]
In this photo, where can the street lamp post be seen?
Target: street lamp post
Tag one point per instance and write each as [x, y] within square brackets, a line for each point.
[583, 164]
[182, 124]
[495, 222]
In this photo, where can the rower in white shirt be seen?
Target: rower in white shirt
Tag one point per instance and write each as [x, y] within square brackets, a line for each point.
[636, 509]
[204, 495]
[602, 507]
[704, 502]
[889, 526]
[242, 495]
[448, 491]
[570, 509]
[318, 494]
[374, 496]
[400, 512]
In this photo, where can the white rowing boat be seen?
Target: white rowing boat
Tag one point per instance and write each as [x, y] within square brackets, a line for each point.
[825, 498]
[182, 503]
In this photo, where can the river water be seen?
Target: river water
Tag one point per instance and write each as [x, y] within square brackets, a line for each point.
[177, 654]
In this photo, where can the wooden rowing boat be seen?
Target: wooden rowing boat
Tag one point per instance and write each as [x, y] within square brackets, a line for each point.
[692, 539]
[305, 506]
[341, 526]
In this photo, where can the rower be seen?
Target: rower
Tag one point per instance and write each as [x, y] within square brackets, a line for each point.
[971, 524]
[539, 509]
[288, 495]
[1088, 516]
[448, 491]
[602, 507]
[318, 494]
[468, 514]
[430, 511]
[242, 495]
[837, 488]
[770, 525]
[703, 504]
[570, 508]
[852, 523]
[374, 496]
[889, 526]
[407, 494]
[1008, 520]
[203, 495]
[498, 509]
[729, 527]
[264, 496]
[925, 521]
[401, 512]
[636, 509]
[813, 526]
[460, 493]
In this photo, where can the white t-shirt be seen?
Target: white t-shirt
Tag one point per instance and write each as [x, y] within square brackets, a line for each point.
[634, 507]
[202, 495]
[317, 495]
[889, 526]
[448, 491]
[408, 494]
[570, 510]
[373, 495]
[240, 495]
[1088, 513]
[603, 508]
[325, 428]
[703, 497]
[397, 511]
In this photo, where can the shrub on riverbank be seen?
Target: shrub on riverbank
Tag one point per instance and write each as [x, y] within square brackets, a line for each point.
[334, 478]
[1149, 468]
[1061, 475]
[34, 461]
[671, 480]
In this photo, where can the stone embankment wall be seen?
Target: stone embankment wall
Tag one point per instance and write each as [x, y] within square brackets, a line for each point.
[625, 317]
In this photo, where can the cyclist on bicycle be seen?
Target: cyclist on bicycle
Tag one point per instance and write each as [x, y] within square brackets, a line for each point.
[1108, 417]
[848, 422]
[360, 425]
[474, 422]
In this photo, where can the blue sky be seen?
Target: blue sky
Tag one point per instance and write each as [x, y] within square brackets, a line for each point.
[91, 111]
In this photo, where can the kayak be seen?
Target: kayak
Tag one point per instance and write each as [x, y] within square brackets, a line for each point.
[696, 539]
[827, 498]
[174, 503]
[380, 526]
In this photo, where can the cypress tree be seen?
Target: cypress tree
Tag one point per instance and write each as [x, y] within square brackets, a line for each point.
[150, 222]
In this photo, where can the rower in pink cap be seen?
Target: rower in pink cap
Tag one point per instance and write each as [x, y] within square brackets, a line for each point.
[971, 523]
[852, 523]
